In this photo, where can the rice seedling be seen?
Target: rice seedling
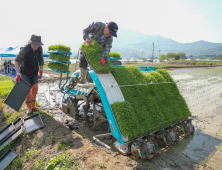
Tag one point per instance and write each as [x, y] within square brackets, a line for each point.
[165, 101]
[176, 163]
[93, 54]
[204, 143]
[186, 154]
[162, 155]
[209, 137]
[204, 161]
[59, 47]
[173, 149]
[114, 54]
[59, 57]
[58, 66]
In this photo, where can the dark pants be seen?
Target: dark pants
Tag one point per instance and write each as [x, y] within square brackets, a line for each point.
[6, 70]
[82, 61]
[30, 79]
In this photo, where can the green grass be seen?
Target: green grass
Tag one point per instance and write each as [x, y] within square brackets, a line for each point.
[58, 66]
[93, 54]
[63, 162]
[114, 54]
[6, 115]
[64, 145]
[147, 106]
[5, 87]
[60, 57]
[59, 47]
[40, 164]
[5, 78]
[13, 117]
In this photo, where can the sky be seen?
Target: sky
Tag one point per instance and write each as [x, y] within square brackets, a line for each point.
[62, 21]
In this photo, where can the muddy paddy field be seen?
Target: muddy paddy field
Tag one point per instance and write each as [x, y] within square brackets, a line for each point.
[201, 88]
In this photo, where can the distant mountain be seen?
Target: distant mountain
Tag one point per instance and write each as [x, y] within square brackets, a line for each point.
[136, 44]
[129, 42]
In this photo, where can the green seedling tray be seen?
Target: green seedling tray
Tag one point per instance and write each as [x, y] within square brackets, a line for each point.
[57, 71]
[57, 61]
[60, 52]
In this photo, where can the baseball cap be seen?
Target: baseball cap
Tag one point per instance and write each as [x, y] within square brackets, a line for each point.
[113, 28]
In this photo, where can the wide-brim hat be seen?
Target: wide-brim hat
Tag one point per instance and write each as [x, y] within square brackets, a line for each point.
[35, 40]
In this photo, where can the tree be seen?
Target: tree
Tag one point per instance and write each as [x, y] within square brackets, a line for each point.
[182, 55]
[177, 57]
[162, 57]
[220, 57]
[170, 55]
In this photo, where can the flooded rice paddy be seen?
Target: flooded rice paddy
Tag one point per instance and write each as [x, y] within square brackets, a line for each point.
[201, 88]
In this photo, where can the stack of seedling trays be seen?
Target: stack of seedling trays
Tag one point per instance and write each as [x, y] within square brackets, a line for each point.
[13, 131]
[59, 59]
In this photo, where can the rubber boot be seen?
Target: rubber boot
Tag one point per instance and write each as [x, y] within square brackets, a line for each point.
[33, 105]
[29, 106]
[83, 74]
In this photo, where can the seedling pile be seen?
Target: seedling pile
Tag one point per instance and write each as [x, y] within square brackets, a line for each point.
[59, 57]
[58, 66]
[93, 54]
[147, 106]
[114, 54]
[59, 47]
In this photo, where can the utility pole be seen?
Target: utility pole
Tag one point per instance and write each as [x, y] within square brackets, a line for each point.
[153, 52]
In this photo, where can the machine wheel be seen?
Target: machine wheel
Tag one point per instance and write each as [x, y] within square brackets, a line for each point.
[71, 108]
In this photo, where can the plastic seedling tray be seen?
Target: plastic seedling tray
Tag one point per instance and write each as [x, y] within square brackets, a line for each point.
[6, 131]
[57, 61]
[18, 94]
[7, 158]
[18, 123]
[60, 52]
[10, 138]
[33, 123]
[57, 71]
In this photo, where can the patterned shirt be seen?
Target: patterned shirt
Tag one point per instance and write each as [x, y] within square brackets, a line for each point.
[95, 32]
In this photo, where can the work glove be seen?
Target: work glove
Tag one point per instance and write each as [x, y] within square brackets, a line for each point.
[40, 74]
[88, 41]
[103, 61]
[18, 77]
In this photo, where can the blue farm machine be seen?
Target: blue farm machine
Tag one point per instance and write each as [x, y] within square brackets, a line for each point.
[103, 90]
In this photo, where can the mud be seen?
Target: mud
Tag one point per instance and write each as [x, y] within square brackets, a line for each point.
[200, 87]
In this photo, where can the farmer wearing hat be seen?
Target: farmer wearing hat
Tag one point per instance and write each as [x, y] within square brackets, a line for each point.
[102, 34]
[30, 59]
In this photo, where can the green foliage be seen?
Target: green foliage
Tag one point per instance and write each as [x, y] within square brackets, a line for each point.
[59, 47]
[64, 145]
[13, 117]
[5, 78]
[182, 55]
[58, 66]
[220, 57]
[5, 87]
[62, 162]
[171, 55]
[147, 106]
[114, 54]
[4, 149]
[93, 54]
[6, 115]
[37, 104]
[31, 152]
[59, 57]
[40, 163]
[16, 163]
[162, 57]
[101, 166]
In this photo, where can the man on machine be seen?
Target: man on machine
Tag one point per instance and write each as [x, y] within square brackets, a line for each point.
[102, 34]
